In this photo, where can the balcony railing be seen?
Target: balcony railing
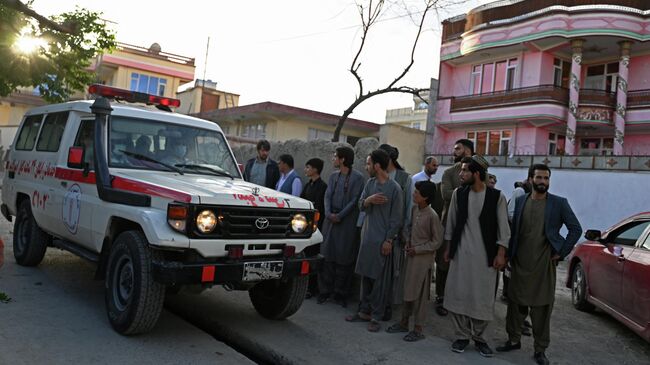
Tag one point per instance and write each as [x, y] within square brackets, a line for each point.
[524, 95]
[453, 28]
[546, 94]
[638, 99]
[601, 98]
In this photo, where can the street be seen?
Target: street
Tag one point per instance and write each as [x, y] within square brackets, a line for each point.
[56, 315]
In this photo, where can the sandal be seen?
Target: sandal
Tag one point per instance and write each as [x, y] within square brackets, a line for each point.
[413, 336]
[357, 318]
[374, 326]
[397, 328]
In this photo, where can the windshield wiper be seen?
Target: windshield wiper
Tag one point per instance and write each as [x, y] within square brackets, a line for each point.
[217, 170]
[147, 158]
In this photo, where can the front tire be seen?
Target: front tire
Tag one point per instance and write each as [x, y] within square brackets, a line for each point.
[579, 289]
[133, 299]
[278, 299]
[30, 241]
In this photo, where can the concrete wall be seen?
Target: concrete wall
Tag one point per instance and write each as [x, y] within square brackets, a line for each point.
[640, 68]
[409, 142]
[598, 198]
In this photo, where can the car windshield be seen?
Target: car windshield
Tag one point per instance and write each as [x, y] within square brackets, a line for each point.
[152, 145]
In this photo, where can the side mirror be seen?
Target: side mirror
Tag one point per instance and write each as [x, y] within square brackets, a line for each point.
[75, 157]
[593, 235]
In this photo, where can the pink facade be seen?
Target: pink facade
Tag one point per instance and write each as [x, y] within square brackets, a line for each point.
[513, 87]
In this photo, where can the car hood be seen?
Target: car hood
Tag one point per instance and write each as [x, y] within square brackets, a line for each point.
[207, 189]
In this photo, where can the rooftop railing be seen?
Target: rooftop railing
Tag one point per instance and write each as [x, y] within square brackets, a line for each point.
[183, 60]
[487, 14]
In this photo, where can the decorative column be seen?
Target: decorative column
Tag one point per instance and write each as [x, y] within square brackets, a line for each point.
[621, 97]
[574, 94]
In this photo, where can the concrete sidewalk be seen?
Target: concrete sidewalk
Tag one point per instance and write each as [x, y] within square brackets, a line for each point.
[56, 315]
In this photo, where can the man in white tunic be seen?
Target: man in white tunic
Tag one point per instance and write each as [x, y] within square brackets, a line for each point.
[477, 232]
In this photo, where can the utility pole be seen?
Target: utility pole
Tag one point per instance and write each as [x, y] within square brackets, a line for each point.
[205, 70]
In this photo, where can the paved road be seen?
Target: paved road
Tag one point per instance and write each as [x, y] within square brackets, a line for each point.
[57, 316]
[317, 334]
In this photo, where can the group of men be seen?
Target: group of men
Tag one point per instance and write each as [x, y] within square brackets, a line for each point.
[363, 225]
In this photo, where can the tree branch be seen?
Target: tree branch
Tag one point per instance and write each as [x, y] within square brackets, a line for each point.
[430, 4]
[43, 21]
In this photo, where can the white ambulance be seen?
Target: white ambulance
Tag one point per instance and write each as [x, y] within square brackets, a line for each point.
[157, 200]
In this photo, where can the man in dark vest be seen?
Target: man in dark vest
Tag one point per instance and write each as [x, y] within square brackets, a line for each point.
[403, 179]
[450, 181]
[262, 170]
[289, 181]
[477, 233]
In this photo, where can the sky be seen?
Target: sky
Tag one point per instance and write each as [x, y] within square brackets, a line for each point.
[294, 52]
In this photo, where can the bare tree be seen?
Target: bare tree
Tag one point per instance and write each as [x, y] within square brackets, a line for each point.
[370, 13]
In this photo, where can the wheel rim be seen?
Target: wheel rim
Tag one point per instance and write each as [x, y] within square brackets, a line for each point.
[123, 282]
[23, 236]
[578, 280]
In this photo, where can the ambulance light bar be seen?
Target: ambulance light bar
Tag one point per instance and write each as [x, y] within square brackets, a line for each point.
[132, 96]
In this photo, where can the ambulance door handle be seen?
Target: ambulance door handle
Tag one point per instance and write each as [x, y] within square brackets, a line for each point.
[64, 184]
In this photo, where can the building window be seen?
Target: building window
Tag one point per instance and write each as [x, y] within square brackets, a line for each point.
[602, 77]
[556, 144]
[416, 125]
[597, 146]
[254, 130]
[148, 84]
[561, 72]
[491, 143]
[495, 76]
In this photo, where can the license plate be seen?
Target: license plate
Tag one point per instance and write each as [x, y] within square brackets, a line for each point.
[256, 271]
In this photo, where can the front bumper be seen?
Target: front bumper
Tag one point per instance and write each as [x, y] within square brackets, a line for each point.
[224, 272]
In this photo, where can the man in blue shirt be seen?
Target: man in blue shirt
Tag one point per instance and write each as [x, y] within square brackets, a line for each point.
[289, 181]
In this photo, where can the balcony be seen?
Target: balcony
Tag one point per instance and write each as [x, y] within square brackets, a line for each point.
[546, 94]
[489, 15]
[506, 98]
[638, 99]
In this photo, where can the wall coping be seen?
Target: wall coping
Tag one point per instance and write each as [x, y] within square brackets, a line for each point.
[603, 163]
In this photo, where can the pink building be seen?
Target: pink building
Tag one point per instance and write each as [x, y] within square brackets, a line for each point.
[547, 77]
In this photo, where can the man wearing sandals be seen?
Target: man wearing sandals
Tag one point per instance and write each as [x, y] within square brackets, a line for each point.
[422, 238]
[478, 233]
[381, 200]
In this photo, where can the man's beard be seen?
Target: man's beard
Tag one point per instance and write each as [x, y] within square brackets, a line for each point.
[431, 172]
[458, 158]
[468, 182]
[540, 188]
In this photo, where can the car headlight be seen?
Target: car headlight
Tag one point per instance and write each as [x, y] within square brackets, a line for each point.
[206, 221]
[299, 223]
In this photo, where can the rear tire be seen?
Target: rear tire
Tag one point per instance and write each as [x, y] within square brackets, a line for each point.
[579, 289]
[30, 241]
[133, 299]
[279, 299]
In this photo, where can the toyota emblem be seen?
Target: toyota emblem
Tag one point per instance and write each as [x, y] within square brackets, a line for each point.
[262, 223]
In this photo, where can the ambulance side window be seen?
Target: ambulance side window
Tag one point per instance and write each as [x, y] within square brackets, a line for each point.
[52, 131]
[29, 131]
[85, 139]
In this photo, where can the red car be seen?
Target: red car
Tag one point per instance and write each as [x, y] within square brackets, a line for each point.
[611, 271]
